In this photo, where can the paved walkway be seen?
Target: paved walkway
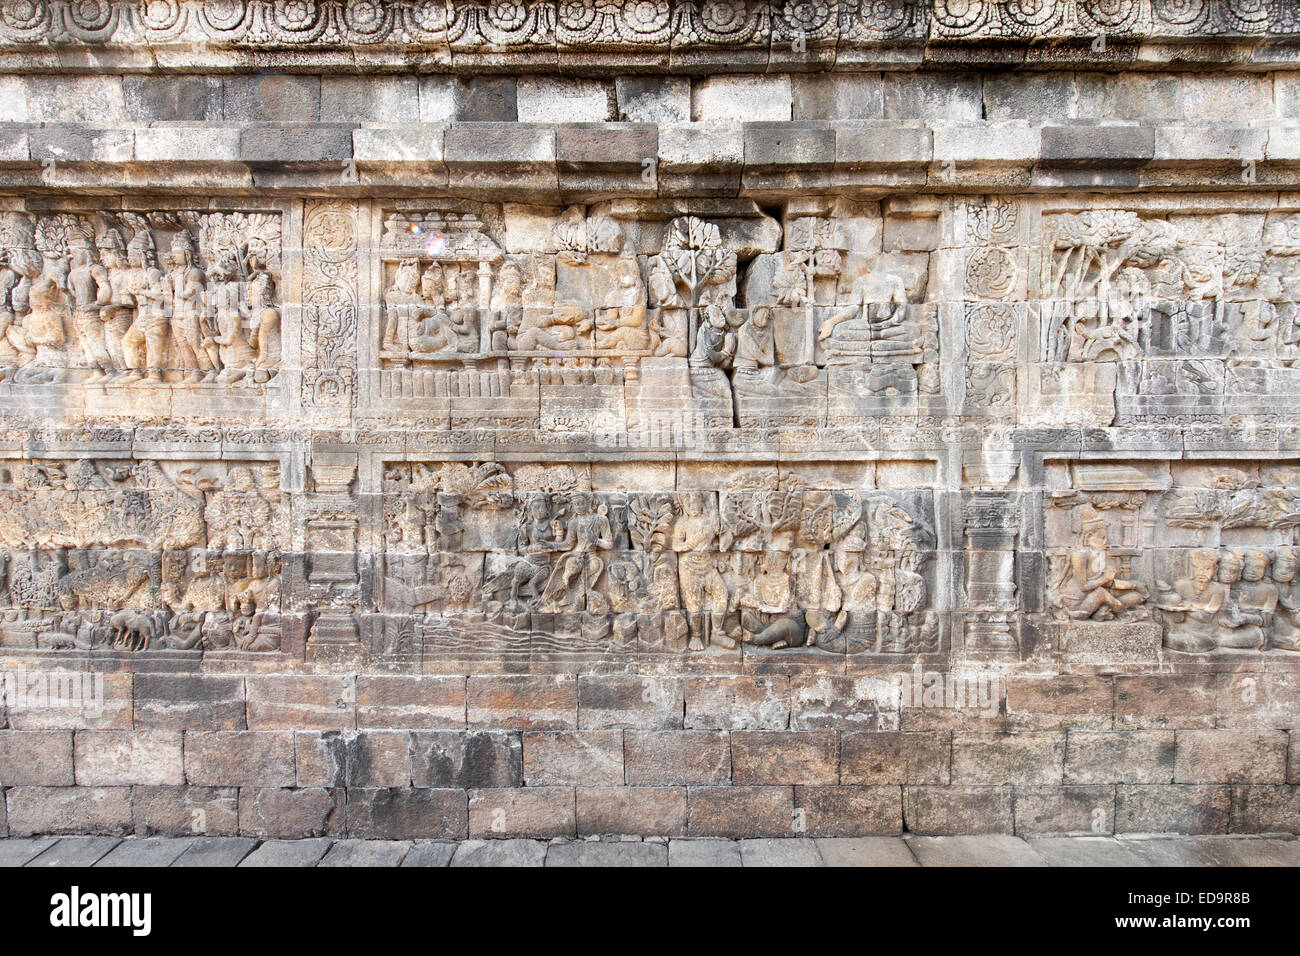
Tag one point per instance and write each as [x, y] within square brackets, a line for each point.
[866, 851]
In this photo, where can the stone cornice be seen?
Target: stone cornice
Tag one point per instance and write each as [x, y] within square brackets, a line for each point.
[590, 162]
[655, 35]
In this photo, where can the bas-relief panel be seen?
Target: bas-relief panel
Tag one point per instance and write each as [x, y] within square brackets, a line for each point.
[510, 326]
[521, 562]
[1156, 318]
[1205, 552]
[115, 299]
[104, 555]
[635, 319]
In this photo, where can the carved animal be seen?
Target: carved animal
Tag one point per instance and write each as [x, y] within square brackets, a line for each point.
[132, 630]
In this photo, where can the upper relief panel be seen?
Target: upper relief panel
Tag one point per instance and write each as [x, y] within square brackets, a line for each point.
[125, 307]
[1167, 318]
[631, 317]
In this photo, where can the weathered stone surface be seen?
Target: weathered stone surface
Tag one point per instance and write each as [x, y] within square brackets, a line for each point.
[1087, 851]
[849, 811]
[510, 853]
[592, 757]
[216, 851]
[39, 758]
[704, 852]
[407, 814]
[34, 810]
[737, 703]
[366, 853]
[865, 851]
[534, 426]
[117, 758]
[430, 853]
[780, 853]
[18, 852]
[239, 759]
[541, 812]
[617, 854]
[147, 851]
[635, 811]
[286, 853]
[268, 813]
[1172, 809]
[472, 761]
[974, 851]
[75, 851]
[804, 757]
[676, 758]
[732, 811]
[1135, 756]
[887, 757]
[176, 811]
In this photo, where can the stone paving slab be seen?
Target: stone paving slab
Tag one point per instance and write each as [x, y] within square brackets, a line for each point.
[500, 853]
[428, 853]
[76, 851]
[607, 854]
[703, 853]
[19, 851]
[146, 851]
[990, 850]
[1085, 851]
[366, 853]
[1216, 851]
[780, 853]
[288, 853]
[866, 851]
[216, 851]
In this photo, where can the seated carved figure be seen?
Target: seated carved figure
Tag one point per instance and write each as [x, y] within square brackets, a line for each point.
[44, 332]
[1094, 590]
[1248, 611]
[558, 328]
[1192, 605]
[1286, 619]
[620, 322]
[876, 325]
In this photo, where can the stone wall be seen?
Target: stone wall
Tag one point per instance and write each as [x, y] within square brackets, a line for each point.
[437, 420]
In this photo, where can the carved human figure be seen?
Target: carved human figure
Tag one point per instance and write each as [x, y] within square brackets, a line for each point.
[506, 309]
[755, 344]
[90, 291]
[434, 326]
[403, 307]
[1258, 333]
[558, 328]
[620, 322]
[874, 325]
[230, 311]
[715, 344]
[1192, 605]
[1248, 609]
[118, 312]
[576, 572]
[1099, 592]
[534, 540]
[769, 615]
[704, 592]
[145, 342]
[1286, 620]
[264, 327]
[187, 286]
[45, 335]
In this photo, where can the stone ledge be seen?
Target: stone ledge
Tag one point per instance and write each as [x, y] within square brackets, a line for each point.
[595, 160]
